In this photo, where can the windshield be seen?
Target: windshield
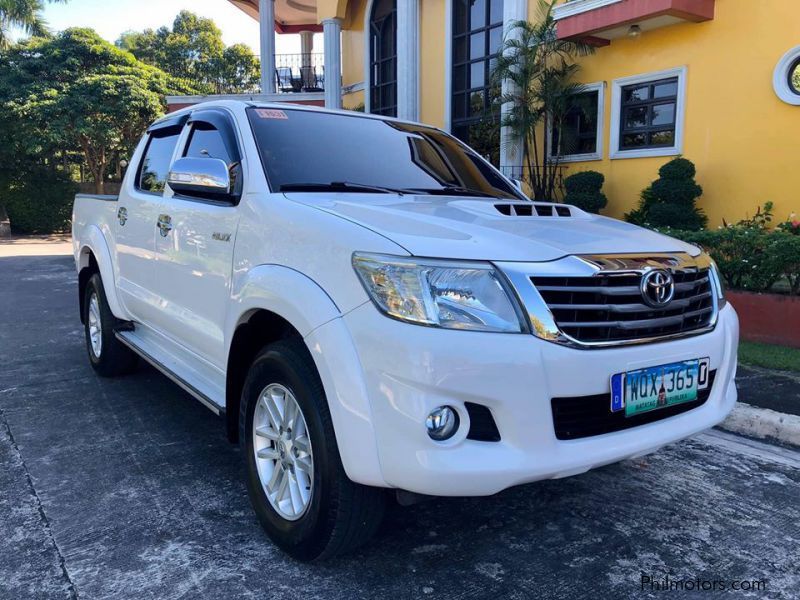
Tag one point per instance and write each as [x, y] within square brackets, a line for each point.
[314, 151]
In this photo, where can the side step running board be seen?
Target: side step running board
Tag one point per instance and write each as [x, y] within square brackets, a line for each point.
[186, 386]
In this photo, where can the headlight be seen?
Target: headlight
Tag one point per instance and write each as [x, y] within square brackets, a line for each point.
[454, 295]
[716, 283]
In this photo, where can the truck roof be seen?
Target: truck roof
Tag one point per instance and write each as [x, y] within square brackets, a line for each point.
[231, 104]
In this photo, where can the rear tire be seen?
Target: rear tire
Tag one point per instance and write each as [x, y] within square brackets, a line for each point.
[108, 356]
[320, 513]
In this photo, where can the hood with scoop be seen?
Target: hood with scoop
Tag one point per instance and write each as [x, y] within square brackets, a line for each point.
[489, 229]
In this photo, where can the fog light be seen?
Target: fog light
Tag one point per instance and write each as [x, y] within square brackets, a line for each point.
[442, 423]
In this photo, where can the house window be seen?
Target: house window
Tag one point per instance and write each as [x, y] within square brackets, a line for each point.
[383, 58]
[794, 77]
[647, 114]
[477, 41]
[579, 136]
[786, 79]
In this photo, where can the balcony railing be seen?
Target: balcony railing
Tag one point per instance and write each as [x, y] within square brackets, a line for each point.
[295, 73]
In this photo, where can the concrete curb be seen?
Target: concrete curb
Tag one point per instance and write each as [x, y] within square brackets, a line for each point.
[763, 423]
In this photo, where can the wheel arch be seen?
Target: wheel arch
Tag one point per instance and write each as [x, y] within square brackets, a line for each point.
[87, 264]
[273, 303]
[270, 303]
[254, 330]
[95, 257]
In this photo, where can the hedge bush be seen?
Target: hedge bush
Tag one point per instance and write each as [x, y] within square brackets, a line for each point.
[584, 191]
[751, 258]
[39, 203]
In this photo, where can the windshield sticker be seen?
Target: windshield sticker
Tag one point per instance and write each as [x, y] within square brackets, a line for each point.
[271, 113]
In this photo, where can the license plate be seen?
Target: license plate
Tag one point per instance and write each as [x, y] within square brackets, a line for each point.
[652, 388]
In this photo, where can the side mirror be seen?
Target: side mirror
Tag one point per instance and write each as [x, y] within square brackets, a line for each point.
[517, 183]
[204, 175]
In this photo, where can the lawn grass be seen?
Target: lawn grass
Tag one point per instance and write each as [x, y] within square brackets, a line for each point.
[769, 356]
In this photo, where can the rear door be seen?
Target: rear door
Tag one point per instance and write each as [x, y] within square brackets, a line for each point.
[137, 216]
[195, 250]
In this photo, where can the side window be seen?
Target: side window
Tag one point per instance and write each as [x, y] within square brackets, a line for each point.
[205, 141]
[153, 170]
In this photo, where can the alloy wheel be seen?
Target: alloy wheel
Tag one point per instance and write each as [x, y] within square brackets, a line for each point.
[283, 453]
[95, 325]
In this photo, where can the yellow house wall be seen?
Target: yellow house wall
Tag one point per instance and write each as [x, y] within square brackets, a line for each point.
[353, 45]
[432, 62]
[743, 139]
[352, 100]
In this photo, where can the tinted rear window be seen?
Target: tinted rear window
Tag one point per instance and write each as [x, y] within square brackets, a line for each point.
[305, 147]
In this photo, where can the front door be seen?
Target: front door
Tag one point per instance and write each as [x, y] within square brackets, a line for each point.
[136, 219]
[194, 249]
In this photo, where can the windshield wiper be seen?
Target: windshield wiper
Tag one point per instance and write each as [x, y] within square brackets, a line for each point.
[340, 186]
[454, 190]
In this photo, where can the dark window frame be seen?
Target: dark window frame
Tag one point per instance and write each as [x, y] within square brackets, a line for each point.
[555, 141]
[648, 130]
[463, 32]
[378, 28]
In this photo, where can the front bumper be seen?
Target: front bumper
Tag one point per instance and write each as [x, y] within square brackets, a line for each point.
[408, 370]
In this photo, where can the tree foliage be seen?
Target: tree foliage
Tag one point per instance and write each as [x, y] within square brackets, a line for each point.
[537, 71]
[75, 92]
[193, 53]
[24, 14]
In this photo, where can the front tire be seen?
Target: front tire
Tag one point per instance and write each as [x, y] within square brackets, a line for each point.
[108, 356]
[295, 478]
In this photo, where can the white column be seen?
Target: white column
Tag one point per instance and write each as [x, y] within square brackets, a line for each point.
[510, 148]
[332, 45]
[266, 28]
[408, 59]
[306, 47]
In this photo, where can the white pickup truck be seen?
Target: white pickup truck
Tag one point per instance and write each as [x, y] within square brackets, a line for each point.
[370, 306]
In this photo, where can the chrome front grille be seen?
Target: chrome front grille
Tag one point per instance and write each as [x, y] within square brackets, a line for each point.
[589, 301]
[609, 307]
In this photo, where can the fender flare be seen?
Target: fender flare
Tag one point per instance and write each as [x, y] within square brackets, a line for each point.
[283, 291]
[95, 242]
[310, 310]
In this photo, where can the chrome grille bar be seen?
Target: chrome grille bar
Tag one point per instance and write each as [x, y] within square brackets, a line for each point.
[591, 301]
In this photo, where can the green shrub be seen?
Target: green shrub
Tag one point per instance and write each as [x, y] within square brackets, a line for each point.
[751, 258]
[584, 191]
[670, 200]
[790, 225]
[41, 202]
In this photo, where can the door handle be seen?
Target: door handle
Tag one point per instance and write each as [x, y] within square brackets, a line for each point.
[164, 224]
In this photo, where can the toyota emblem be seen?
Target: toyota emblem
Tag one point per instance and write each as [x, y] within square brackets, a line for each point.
[658, 288]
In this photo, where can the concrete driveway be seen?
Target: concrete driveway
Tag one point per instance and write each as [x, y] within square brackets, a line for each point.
[128, 489]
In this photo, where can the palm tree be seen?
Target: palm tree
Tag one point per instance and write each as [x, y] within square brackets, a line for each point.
[536, 70]
[24, 14]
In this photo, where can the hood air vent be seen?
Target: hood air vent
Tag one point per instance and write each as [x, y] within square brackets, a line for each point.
[533, 210]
